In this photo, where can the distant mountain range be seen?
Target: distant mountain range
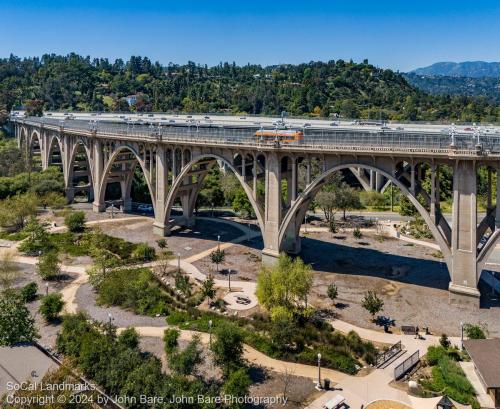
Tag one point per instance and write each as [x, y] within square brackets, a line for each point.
[472, 69]
[486, 87]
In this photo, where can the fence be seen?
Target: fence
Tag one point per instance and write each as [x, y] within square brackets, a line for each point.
[383, 357]
[406, 365]
[313, 138]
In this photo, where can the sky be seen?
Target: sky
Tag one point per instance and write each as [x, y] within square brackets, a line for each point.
[401, 35]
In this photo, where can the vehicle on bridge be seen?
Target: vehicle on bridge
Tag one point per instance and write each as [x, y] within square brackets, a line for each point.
[281, 135]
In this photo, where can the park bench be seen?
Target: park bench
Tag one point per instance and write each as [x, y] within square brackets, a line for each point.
[408, 330]
[334, 403]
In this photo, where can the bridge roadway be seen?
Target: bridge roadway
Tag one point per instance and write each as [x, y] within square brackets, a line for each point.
[176, 152]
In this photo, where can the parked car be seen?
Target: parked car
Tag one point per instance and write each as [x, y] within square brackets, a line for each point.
[145, 208]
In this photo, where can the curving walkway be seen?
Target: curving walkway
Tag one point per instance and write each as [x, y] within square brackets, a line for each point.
[253, 356]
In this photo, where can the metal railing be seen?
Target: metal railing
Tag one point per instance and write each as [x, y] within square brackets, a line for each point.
[334, 139]
[406, 365]
[385, 356]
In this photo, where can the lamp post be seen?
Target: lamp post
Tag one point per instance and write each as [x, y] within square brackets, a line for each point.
[461, 335]
[305, 224]
[46, 288]
[218, 242]
[110, 318]
[319, 371]
[210, 333]
[179, 262]
[229, 277]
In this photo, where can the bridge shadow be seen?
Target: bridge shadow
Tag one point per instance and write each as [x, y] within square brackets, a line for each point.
[332, 257]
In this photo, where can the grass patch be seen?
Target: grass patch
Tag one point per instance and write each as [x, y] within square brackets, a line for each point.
[16, 236]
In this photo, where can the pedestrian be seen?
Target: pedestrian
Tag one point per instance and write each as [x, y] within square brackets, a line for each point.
[417, 335]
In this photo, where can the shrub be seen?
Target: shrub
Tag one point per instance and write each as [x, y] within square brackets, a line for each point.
[75, 222]
[444, 341]
[29, 292]
[133, 289]
[434, 354]
[357, 233]
[144, 253]
[162, 243]
[51, 306]
[129, 338]
[474, 331]
[178, 317]
[171, 338]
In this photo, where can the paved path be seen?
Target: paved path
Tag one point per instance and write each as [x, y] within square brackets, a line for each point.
[254, 357]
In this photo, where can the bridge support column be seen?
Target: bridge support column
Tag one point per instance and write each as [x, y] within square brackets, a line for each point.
[272, 214]
[463, 285]
[98, 205]
[379, 181]
[161, 226]
[70, 194]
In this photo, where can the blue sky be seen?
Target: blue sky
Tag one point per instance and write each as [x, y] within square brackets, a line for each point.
[396, 34]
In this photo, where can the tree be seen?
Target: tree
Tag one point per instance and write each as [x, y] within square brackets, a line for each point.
[16, 323]
[54, 200]
[185, 362]
[208, 288]
[237, 385]
[95, 241]
[241, 204]
[283, 328]
[332, 292]
[38, 240]
[372, 303]
[170, 339]
[346, 198]
[227, 347]
[217, 257]
[9, 271]
[287, 284]
[75, 222]
[162, 263]
[51, 306]
[16, 209]
[406, 207]
[34, 107]
[326, 201]
[48, 265]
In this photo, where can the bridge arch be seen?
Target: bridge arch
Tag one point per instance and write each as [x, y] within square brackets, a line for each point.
[174, 189]
[79, 150]
[108, 166]
[299, 207]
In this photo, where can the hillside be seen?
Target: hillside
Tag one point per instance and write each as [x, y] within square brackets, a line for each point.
[488, 88]
[314, 89]
[474, 69]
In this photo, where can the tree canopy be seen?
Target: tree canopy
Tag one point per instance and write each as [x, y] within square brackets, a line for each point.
[349, 89]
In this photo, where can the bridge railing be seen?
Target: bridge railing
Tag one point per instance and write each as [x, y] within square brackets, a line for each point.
[313, 138]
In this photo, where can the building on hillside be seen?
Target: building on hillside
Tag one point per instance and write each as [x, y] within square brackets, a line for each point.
[485, 354]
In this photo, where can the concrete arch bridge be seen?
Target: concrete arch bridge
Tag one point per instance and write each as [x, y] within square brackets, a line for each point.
[175, 159]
